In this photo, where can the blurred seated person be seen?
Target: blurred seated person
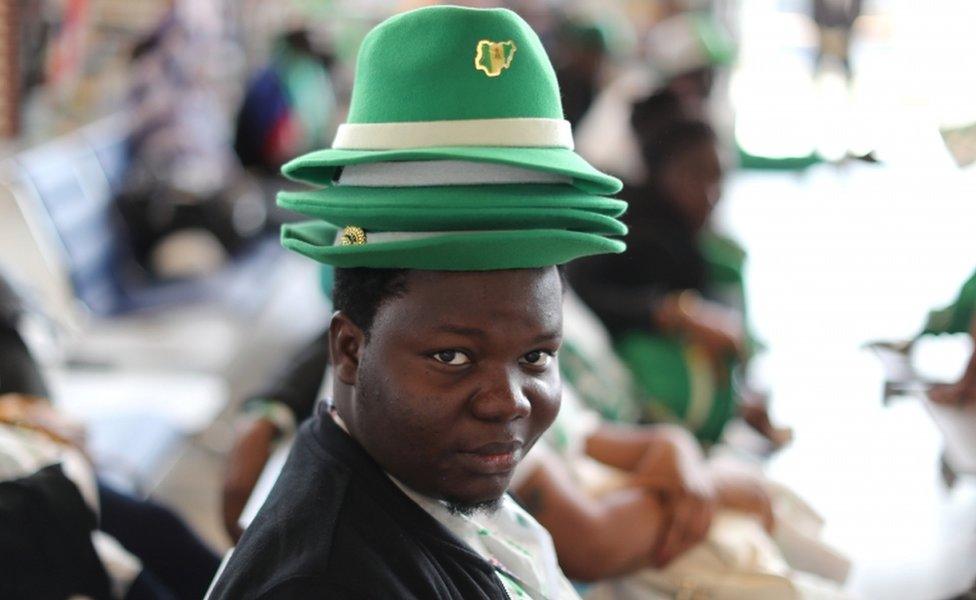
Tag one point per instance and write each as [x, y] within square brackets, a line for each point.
[620, 500]
[184, 191]
[675, 302]
[628, 510]
[64, 532]
[288, 106]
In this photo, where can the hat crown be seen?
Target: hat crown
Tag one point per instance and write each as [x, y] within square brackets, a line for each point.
[446, 63]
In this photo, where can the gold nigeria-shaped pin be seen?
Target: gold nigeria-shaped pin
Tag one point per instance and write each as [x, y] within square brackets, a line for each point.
[494, 57]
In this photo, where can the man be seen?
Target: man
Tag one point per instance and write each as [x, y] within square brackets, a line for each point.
[458, 195]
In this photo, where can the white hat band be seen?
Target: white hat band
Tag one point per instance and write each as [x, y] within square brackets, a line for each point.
[354, 236]
[517, 132]
[442, 172]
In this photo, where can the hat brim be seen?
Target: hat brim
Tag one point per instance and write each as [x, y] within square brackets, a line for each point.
[447, 208]
[470, 251]
[515, 196]
[319, 167]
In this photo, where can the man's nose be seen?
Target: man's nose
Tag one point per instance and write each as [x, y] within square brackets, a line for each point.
[502, 398]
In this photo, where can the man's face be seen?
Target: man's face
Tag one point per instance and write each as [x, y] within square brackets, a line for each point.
[458, 379]
[693, 182]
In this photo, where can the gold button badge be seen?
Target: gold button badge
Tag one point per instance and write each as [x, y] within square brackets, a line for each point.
[353, 236]
[493, 57]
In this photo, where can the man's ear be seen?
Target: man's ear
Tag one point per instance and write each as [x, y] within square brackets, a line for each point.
[346, 343]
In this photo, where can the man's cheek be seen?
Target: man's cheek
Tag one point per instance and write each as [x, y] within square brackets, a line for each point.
[546, 395]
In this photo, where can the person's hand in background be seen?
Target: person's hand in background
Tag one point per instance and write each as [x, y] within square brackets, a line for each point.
[246, 460]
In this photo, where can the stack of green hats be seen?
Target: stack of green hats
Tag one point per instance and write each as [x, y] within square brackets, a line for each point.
[455, 156]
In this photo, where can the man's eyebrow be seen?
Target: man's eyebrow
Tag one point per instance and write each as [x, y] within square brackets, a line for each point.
[547, 337]
[461, 330]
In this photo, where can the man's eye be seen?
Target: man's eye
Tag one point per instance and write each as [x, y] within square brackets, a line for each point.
[451, 357]
[537, 358]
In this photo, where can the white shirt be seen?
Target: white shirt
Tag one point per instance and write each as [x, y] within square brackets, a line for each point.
[512, 541]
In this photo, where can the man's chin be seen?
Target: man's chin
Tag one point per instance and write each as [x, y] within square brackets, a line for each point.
[469, 508]
[482, 495]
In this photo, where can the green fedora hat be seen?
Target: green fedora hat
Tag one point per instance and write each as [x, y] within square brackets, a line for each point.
[452, 83]
[461, 208]
[471, 250]
[452, 227]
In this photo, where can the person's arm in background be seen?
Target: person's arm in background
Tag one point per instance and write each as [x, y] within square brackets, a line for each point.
[268, 416]
[613, 535]
[719, 330]
[624, 303]
[669, 460]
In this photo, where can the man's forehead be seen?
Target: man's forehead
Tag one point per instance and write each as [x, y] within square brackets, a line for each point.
[480, 300]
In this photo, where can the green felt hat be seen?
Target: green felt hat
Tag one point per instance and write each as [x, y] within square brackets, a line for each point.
[452, 83]
[455, 156]
[447, 251]
[454, 228]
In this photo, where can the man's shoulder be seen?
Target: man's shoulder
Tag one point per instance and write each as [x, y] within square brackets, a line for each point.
[291, 538]
[335, 526]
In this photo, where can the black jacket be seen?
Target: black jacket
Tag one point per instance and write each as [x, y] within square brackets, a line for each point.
[335, 526]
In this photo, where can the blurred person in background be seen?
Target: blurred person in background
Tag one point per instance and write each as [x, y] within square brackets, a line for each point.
[675, 303]
[64, 532]
[835, 24]
[288, 107]
[183, 176]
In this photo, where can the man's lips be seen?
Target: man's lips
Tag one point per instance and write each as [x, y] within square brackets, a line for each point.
[495, 458]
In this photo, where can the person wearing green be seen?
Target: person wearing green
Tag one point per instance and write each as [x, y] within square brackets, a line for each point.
[446, 204]
[956, 318]
[675, 303]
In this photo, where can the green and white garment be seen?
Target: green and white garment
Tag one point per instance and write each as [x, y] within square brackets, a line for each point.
[592, 365]
[589, 364]
[650, 378]
[520, 550]
[958, 316]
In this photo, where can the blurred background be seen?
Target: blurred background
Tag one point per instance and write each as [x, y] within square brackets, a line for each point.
[139, 148]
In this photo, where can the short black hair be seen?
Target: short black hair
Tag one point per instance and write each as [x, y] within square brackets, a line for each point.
[673, 140]
[360, 291]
